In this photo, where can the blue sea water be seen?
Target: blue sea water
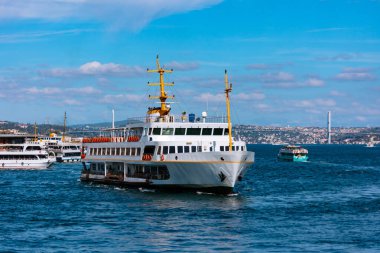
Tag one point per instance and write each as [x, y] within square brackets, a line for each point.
[330, 204]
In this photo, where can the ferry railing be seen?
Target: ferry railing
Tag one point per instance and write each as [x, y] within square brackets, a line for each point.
[177, 119]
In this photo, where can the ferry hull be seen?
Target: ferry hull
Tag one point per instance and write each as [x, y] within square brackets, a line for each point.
[25, 165]
[217, 172]
[293, 158]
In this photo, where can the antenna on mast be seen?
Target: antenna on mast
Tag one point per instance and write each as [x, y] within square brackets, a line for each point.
[64, 127]
[227, 90]
[164, 109]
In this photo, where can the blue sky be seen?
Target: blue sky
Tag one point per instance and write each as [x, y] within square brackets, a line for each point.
[289, 61]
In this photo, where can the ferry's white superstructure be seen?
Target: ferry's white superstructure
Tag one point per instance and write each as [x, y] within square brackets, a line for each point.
[167, 151]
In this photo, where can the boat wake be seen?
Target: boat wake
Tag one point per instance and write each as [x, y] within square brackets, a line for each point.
[146, 190]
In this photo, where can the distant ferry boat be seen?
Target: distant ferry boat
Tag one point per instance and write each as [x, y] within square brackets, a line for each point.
[293, 153]
[165, 151]
[64, 149]
[370, 145]
[24, 156]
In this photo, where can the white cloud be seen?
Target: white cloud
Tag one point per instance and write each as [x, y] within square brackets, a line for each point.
[96, 68]
[314, 82]
[131, 14]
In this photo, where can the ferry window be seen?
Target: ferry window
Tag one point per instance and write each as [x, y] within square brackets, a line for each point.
[156, 131]
[187, 149]
[237, 148]
[225, 131]
[159, 150]
[114, 151]
[167, 131]
[221, 148]
[233, 148]
[180, 149]
[118, 151]
[122, 151]
[227, 148]
[193, 149]
[165, 150]
[218, 131]
[133, 151]
[108, 151]
[199, 148]
[138, 151]
[206, 131]
[242, 148]
[210, 149]
[128, 151]
[150, 131]
[171, 149]
[91, 151]
[180, 131]
[193, 131]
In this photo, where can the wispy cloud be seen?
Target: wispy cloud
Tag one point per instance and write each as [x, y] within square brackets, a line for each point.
[270, 66]
[355, 74]
[129, 14]
[122, 98]
[311, 103]
[328, 29]
[182, 66]
[33, 36]
[210, 97]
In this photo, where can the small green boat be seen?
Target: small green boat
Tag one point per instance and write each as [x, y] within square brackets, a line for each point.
[292, 153]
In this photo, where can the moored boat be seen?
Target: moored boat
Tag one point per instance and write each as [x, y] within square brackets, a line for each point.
[293, 153]
[24, 156]
[165, 151]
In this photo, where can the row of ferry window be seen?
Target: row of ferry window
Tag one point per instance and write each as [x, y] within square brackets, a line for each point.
[116, 151]
[188, 131]
[161, 150]
[133, 170]
[22, 157]
[186, 149]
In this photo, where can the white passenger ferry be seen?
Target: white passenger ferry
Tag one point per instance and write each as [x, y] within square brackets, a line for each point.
[65, 148]
[24, 156]
[166, 151]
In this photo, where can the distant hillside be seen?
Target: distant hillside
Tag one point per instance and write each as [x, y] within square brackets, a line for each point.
[100, 125]
[16, 127]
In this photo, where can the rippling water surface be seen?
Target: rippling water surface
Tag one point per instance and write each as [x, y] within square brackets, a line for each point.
[331, 203]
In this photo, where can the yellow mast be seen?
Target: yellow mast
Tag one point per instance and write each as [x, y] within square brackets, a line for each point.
[227, 91]
[64, 127]
[35, 131]
[163, 109]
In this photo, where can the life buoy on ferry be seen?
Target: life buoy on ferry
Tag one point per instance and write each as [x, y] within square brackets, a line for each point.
[83, 156]
[162, 158]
